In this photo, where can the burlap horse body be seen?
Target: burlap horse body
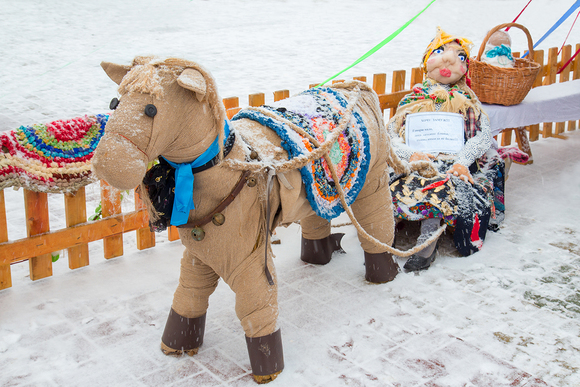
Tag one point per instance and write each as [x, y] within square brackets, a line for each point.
[171, 108]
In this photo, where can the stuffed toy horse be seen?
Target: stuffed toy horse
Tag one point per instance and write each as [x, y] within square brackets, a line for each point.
[235, 181]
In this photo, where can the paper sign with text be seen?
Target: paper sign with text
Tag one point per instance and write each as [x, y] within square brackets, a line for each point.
[434, 132]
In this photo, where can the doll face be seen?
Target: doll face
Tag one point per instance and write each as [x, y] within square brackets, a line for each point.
[447, 64]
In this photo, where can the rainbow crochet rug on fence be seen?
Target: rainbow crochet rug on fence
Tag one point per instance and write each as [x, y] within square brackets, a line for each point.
[54, 157]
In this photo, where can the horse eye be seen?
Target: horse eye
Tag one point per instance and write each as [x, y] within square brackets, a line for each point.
[150, 110]
[114, 103]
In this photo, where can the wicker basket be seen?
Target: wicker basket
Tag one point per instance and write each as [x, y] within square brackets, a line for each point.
[499, 85]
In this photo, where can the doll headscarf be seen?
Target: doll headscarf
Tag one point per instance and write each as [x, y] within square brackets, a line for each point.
[441, 38]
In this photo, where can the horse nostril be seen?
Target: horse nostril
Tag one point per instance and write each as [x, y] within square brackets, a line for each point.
[150, 110]
[114, 103]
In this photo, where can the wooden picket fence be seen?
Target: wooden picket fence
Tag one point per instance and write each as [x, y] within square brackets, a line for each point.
[40, 242]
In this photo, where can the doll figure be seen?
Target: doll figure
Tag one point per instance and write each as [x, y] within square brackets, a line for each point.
[498, 51]
[467, 191]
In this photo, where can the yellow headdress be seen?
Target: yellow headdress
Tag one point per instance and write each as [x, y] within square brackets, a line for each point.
[441, 38]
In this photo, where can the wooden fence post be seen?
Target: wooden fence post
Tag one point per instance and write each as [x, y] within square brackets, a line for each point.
[5, 276]
[575, 69]
[281, 94]
[172, 233]
[36, 209]
[538, 58]
[564, 76]
[232, 106]
[75, 207]
[398, 85]
[416, 76]
[145, 238]
[551, 70]
[380, 83]
[111, 205]
[257, 99]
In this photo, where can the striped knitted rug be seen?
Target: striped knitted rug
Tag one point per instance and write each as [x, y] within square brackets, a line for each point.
[318, 111]
[54, 157]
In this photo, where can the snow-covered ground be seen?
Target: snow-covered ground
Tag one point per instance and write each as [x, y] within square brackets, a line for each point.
[508, 315]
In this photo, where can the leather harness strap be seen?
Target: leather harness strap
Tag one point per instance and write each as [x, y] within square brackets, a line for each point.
[222, 206]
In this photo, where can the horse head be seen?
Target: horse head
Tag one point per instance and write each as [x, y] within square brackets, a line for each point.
[166, 107]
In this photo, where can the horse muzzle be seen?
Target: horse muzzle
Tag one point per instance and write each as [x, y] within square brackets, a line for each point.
[119, 162]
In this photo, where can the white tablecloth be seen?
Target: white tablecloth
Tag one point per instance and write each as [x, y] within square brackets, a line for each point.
[552, 103]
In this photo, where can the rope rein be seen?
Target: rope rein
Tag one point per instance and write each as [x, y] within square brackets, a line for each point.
[323, 151]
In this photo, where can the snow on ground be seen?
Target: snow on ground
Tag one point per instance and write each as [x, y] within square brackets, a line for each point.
[505, 316]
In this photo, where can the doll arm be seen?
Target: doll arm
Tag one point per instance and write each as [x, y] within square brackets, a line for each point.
[476, 146]
[401, 149]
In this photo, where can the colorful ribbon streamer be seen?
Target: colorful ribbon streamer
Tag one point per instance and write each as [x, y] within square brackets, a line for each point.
[380, 45]
[560, 21]
[517, 17]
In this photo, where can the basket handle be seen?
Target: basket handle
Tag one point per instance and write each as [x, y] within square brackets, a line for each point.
[497, 28]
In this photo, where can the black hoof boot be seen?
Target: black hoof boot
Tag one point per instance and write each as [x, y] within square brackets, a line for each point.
[266, 356]
[182, 334]
[418, 263]
[319, 251]
[380, 268]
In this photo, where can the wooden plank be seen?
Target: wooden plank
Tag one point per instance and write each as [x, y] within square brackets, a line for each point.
[551, 69]
[145, 238]
[575, 68]
[22, 249]
[232, 112]
[3, 222]
[335, 81]
[539, 58]
[111, 205]
[388, 101]
[397, 85]
[380, 83]
[576, 64]
[5, 275]
[506, 137]
[231, 102]
[257, 99]
[362, 78]
[75, 207]
[36, 209]
[564, 77]
[281, 94]
[416, 76]
[172, 233]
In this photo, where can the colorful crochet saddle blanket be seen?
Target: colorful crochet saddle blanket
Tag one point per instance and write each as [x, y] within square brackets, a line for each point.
[54, 157]
[318, 112]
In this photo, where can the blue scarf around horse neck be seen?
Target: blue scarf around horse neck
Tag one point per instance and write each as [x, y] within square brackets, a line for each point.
[183, 201]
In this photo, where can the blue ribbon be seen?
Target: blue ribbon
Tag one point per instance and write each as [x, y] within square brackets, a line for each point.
[556, 25]
[183, 201]
[499, 51]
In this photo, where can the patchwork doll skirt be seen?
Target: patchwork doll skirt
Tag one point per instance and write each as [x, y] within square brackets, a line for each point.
[470, 209]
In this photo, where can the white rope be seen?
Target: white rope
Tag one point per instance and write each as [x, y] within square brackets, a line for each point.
[322, 151]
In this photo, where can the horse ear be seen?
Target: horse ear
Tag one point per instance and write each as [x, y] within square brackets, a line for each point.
[193, 80]
[115, 72]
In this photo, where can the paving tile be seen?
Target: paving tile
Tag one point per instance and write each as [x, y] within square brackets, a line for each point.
[219, 365]
[175, 370]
